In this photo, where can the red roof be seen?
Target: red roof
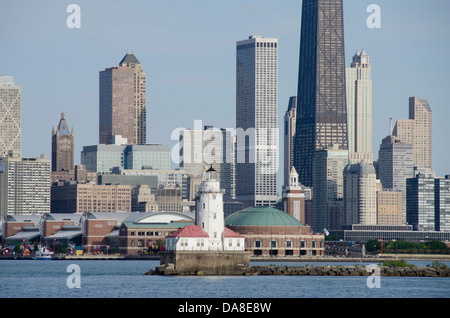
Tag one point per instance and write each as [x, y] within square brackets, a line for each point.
[189, 231]
[230, 233]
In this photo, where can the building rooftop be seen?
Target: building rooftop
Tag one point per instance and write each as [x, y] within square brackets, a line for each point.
[261, 216]
[129, 58]
[189, 231]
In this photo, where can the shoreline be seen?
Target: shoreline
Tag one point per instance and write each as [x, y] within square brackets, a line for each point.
[308, 270]
[256, 259]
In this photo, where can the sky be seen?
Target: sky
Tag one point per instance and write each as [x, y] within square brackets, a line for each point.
[188, 52]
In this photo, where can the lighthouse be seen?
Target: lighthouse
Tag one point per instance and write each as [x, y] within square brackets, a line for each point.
[209, 214]
[208, 246]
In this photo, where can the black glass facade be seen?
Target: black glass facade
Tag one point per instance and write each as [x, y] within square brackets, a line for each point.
[321, 109]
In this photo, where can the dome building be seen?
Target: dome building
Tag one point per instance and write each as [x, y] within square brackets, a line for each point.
[271, 232]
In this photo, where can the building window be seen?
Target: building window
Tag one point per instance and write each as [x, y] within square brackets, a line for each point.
[313, 244]
[289, 244]
[257, 243]
[302, 244]
[273, 243]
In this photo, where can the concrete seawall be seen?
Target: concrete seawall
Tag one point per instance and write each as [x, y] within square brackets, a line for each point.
[357, 270]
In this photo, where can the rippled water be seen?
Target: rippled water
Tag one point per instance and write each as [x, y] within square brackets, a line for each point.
[125, 279]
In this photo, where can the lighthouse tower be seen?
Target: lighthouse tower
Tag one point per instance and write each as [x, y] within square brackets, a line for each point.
[209, 214]
[208, 246]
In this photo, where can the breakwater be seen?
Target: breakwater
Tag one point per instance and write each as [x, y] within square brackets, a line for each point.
[340, 270]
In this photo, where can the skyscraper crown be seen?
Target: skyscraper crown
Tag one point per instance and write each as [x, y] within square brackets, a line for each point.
[129, 58]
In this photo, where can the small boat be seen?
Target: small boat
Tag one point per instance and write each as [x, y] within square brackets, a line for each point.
[43, 254]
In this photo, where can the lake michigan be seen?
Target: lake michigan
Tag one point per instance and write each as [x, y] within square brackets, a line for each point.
[126, 279]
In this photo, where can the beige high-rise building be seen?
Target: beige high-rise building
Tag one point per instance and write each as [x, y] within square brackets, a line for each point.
[420, 111]
[360, 196]
[143, 200]
[417, 130]
[10, 116]
[389, 207]
[140, 113]
[87, 197]
[359, 108]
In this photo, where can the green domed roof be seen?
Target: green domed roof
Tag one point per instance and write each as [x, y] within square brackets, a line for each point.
[262, 216]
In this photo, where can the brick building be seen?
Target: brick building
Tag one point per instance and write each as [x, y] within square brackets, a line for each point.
[72, 197]
[269, 231]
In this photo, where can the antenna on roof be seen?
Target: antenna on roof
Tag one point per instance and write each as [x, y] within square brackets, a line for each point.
[390, 127]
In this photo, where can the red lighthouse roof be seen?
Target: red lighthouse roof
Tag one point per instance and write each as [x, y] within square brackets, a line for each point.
[230, 233]
[189, 231]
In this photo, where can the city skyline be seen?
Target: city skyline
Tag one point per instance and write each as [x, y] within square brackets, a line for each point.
[197, 87]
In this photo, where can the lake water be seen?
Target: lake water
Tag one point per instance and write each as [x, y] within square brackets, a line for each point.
[126, 279]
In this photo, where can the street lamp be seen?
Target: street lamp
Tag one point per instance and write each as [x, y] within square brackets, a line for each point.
[396, 257]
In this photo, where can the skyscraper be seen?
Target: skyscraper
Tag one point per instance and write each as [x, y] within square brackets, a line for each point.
[210, 147]
[116, 111]
[421, 203]
[10, 116]
[257, 121]
[123, 102]
[420, 111]
[417, 130]
[24, 185]
[328, 181]
[360, 194]
[395, 165]
[359, 108]
[140, 112]
[62, 147]
[442, 203]
[322, 105]
[290, 118]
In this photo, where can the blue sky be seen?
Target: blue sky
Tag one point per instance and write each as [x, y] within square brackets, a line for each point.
[187, 49]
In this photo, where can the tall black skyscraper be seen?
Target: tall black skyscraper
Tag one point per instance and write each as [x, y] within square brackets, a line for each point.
[321, 108]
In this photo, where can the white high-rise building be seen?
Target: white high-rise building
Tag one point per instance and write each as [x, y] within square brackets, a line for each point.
[10, 116]
[257, 121]
[360, 194]
[24, 185]
[201, 149]
[359, 108]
